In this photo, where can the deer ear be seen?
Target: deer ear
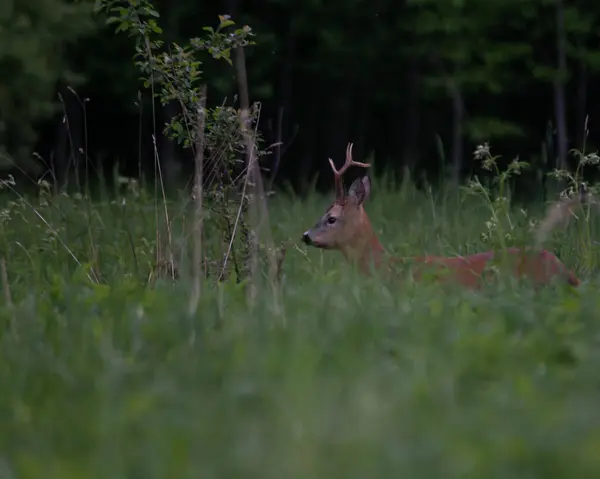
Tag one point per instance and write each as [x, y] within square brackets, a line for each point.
[360, 190]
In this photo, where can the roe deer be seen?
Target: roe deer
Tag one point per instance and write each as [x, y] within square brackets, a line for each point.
[346, 227]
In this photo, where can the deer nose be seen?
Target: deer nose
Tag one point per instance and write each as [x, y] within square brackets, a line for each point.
[306, 238]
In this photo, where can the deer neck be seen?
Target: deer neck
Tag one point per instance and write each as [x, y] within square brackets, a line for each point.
[364, 248]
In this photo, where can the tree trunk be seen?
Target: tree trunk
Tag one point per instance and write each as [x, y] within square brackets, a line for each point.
[284, 112]
[458, 119]
[458, 113]
[170, 165]
[559, 89]
[582, 92]
[341, 103]
[410, 122]
[69, 150]
[59, 160]
[169, 159]
[309, 138]
[361, 124]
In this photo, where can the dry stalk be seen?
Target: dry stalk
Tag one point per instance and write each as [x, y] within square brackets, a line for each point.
[258, 213]
[560, 212]
[160, 254]
[7, 296]
[158, 180]
[198, 179]
[91, 277]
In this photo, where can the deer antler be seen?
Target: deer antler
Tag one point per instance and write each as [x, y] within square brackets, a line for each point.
[339, 185]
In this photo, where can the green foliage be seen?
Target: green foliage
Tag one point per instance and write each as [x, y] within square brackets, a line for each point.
[352, 378]
[173, 74]
[177, 70]
[580, 36]
[461, 41]
[499, 54]
[34, 37]
[501, 227]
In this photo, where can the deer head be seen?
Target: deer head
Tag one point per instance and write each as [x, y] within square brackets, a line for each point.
[345, 225]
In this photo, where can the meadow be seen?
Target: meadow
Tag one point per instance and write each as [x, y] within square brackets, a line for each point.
[104, 374]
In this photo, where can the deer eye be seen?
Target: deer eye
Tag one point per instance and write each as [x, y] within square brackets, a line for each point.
[331, 220]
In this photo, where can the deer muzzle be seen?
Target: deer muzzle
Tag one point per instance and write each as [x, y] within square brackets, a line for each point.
[306, 239]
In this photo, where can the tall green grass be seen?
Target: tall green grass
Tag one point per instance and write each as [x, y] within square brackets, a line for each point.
[352, 377]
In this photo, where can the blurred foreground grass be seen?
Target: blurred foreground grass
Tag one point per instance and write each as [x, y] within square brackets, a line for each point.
[353, 378]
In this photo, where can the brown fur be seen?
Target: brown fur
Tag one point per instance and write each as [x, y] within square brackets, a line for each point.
[346, 227]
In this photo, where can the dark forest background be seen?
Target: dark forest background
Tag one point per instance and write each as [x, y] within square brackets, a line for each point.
[416, 83]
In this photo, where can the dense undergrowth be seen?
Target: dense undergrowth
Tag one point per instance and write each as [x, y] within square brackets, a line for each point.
[105, 375]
